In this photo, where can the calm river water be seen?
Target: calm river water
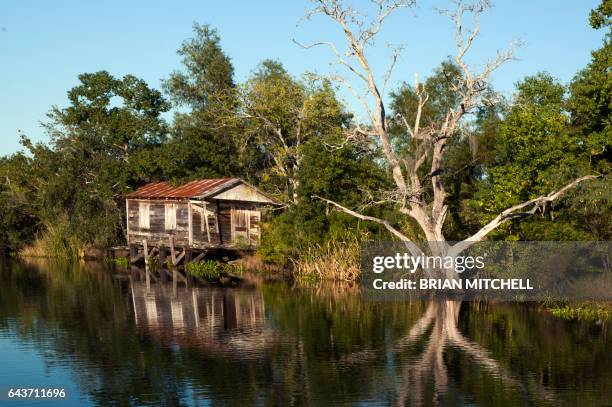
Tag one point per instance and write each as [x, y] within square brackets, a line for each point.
[107, 339]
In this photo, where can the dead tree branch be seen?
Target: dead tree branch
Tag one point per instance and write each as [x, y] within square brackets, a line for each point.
[416, 251]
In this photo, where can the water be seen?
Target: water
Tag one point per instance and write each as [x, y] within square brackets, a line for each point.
[109, 340]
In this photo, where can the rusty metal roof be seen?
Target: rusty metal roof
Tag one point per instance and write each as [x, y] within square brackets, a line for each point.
[193, 189]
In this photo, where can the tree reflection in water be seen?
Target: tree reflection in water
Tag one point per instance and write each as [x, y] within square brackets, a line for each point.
[445, 317]
[271, 344]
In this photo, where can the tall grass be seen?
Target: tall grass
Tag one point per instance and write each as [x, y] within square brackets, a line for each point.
[338, 259]
[57, 240]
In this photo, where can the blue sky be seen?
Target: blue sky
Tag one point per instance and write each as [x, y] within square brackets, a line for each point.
[45, 45]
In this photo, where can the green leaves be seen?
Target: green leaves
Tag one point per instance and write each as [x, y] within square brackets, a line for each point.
[208, 70]
[122, 114]
[202, 141]
[602, 15]
[539, 149]
[99, 146]
[280, 115]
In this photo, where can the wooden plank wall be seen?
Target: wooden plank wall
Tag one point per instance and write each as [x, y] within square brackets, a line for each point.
[225, 222]
[156, 232]
[199, 227]
[225, 210]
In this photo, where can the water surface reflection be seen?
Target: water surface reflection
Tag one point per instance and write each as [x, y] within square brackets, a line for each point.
[117, 340]
[221, 321]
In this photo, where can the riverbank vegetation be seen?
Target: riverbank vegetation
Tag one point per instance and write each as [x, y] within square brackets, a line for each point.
[212, 270]
[295, 138]
[586, 311]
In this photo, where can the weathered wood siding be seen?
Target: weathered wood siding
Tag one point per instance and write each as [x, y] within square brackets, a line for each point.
[157, 233]
[236, 230]
[198, 222]
[243, 193]
[225, 222]
[229, 223]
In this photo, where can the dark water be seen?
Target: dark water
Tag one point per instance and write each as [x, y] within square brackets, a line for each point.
[108, 340]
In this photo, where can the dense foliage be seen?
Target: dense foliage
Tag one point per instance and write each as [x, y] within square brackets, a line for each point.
[285, 135]
[101, 145]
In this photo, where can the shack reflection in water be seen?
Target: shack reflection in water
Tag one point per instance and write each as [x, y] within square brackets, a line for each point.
[112, 341]
[217, 320]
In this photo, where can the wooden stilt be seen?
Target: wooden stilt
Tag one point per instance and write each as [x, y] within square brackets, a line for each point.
[161, 257]
[172, 251]
[178, 259]
[134, 256]
[146, 253]
[199, 257]
[176, 274]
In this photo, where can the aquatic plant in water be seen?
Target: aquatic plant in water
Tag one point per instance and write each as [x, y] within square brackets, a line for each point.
[212, 270]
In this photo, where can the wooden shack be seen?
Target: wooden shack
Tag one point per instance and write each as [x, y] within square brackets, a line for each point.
[208, 213]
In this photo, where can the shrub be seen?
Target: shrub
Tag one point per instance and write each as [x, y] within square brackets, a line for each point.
[121, 261]
[212, 270]
[209, 269]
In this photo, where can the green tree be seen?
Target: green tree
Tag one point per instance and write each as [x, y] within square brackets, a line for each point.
[538, 151]
[602, 16]
[102, 145]
[549, 137]
[347, 174]
[590, 106]
[201, 146]
[18, 223]
[280, 115]
[590, 101]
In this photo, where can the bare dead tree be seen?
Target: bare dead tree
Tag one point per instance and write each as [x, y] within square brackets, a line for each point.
[430, 142]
